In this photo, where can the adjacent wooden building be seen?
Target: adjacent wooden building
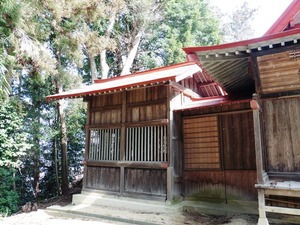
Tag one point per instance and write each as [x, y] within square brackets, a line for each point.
[223, 126]
[267, 68]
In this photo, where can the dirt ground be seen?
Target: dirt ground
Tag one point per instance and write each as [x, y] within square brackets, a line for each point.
[41, 217]
[44, 217]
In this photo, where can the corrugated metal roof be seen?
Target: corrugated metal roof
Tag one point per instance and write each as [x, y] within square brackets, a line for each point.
[229, 64]
[175, 73]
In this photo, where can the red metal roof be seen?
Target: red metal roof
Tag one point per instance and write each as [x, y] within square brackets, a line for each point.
[209, 102]
[245, 43]
[175, 73]
[285, 19]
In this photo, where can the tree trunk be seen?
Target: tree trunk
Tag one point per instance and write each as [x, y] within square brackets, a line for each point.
[103, 62]
[64, 148]
[132, 53]
[56, 166]
[104, 65]
[94, 72]
[36, 178]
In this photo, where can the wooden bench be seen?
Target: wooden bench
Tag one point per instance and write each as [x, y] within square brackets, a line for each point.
[277, 188]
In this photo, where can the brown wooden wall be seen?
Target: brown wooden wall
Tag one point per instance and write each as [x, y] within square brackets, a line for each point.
[281, 120]
[235, 176]
[279, 72]
[123, 110]
[146, 181]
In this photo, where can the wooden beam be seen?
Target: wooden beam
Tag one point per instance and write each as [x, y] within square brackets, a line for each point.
[127, 164]
[184, 90]
[282, 210]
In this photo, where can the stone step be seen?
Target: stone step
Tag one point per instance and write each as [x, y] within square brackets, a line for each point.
[119, 202]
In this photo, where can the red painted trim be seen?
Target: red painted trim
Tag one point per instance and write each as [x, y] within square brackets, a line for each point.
[146, 72]
[212, 103]
[189, 50]
[286, 17]
[115, 83]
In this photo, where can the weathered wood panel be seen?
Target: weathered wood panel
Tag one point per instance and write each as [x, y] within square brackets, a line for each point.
[146, 104]
[146, 112]
[146, 94]
[201, 143]
[103, 178]
[107, 100]
[279, 72]
[220, 185]
[238, 141]
[106, 109]
[146, 181]
[282, 134]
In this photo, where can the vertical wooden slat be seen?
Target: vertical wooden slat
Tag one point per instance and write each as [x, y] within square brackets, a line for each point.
[98, 143]
[165, 143]
[151, 142]
[148, 144]
[155, 146]
[134, 144]
[143, 140]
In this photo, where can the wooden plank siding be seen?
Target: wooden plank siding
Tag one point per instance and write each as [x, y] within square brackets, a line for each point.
[103, 178]
[228, 140]
[279, 72]
[238, 141]
[146, 181]
[281, 119]
[128, 137]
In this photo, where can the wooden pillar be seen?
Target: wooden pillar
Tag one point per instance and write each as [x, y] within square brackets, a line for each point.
[170, 172]
[170, 184]
[261, 175]
[87, 143]
[123, 140]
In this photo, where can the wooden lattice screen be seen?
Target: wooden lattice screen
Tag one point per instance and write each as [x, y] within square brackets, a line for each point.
[201, 143]
[143, 144]
[147, 144]
[105, 144]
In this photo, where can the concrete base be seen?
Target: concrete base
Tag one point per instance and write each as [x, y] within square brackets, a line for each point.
[142, 211]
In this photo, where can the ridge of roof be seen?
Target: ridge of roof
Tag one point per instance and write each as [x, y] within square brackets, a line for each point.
[98, 81]
[244, 43]
[285, 18]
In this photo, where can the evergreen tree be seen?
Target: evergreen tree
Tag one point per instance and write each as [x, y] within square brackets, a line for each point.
[13, 147]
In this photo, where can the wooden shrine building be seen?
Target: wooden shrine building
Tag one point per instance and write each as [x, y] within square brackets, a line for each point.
[223, 126]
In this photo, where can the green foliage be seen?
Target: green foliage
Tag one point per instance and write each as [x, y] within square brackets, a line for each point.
[9, 198]
[13, 141]
[183, 23]
[13, 146]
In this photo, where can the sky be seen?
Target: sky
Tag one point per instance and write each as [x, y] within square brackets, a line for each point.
[268, 11]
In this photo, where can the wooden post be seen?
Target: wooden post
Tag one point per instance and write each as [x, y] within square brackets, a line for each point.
[258, 141]
[169, 185]
[259, 161]
[262, 220]
[87, 143]
[123, 143]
